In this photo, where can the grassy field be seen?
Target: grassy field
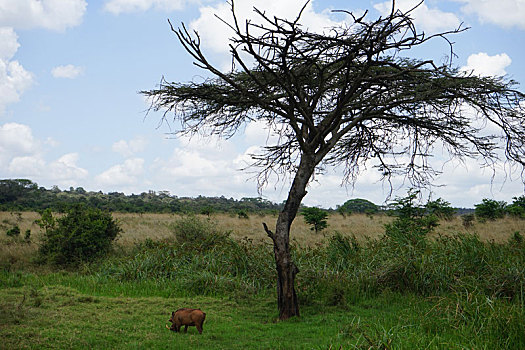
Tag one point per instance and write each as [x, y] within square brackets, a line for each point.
[138, 227]
[45, 314]
[454, 292]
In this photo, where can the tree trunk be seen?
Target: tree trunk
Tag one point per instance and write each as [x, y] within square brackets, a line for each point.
[286, 269]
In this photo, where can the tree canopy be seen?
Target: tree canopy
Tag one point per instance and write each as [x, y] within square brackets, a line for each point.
[337, 97]
[358, 205]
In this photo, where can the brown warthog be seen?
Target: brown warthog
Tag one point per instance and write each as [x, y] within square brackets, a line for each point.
[186, 317]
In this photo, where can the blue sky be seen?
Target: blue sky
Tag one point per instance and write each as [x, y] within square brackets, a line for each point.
[71, 115]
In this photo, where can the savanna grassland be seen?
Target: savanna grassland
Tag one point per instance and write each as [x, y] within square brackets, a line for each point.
[359, 288]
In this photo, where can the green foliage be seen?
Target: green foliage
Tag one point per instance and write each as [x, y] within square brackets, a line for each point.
[198, 234]
[343, 252]
[242, 214]
[15, 191]
[315, 217]
[26, 195]
[413, 222]
[490, 209]
[441, 209]
[82, 235]
[13, 231]
[358, 205]
[27, 235]
[207, 210]
[517, 208]
[206, 262]
[47, 221]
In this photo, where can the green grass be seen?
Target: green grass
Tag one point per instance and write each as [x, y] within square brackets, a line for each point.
[44, 312]
[451, 292]
[59, 317]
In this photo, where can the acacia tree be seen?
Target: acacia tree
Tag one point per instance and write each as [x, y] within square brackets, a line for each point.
[315, 217]
[343, 97]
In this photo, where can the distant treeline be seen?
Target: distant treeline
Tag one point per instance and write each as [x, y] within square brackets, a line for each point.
[25, 195]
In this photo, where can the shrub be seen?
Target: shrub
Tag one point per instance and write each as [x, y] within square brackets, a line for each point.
[222, 267]
[199, 234]
[517, 208]
[46, 221]
[441, 209]
[490, 209]
[13, 231]
[413, 222]
[82, 235]
[315, 217]
[27, 235]
[207, 210]
[242, 214]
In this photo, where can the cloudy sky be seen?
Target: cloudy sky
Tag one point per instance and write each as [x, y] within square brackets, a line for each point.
[70, 114]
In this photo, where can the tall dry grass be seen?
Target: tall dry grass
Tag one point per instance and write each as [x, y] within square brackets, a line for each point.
[139, 227]
[14, 251]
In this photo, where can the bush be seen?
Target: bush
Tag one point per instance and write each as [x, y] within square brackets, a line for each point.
[82, 235]
[27, 235]
[13, 231]
[214, 266]
[198, 234]
[441, 209]
[315, 217]
[413, 222]
[490, 209]
[242, 214]
[517, 208]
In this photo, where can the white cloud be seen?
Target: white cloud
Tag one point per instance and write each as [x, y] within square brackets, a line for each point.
[14, 79]
[468, 183]
[189, 163]
[18, 150]
[8, 43]
[119, 175]
[259, 133]
[428, 19]
[485, 65]
[68, 71]
[27, 166]
[16, 139]
[49, 14]
[125, 6]
[129, 148]
[66, 168]
[208, 169]
[23, 156]
[504, 13]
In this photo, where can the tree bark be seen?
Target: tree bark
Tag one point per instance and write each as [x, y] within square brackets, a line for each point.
[286, 269]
